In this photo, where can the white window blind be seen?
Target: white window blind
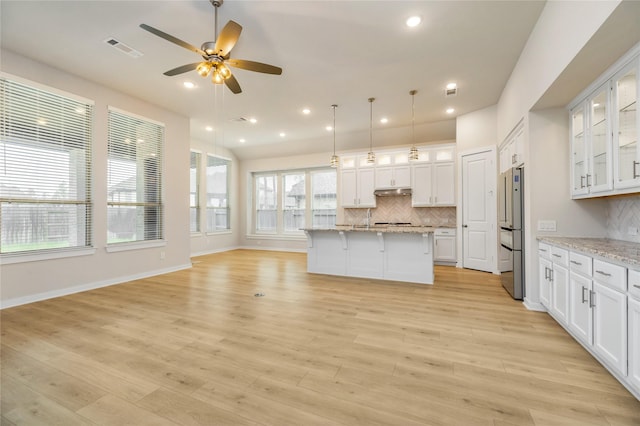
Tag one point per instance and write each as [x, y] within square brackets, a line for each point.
[218, 218]
[294, 201]
[194, 191]
[134, 179]
[323, 198]
[266, 202]
[45, 169]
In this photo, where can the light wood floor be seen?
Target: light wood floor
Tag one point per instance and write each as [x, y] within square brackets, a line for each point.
[196, 347]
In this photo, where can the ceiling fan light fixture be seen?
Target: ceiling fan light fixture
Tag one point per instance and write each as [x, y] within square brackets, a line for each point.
[216, 77]
[204, 69]
[224, 71]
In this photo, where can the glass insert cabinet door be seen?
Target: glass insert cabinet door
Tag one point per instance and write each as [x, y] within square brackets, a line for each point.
[578, 149]
[625, 142]
[599, 171]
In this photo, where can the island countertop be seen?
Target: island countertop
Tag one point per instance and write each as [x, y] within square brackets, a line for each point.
[395, 229]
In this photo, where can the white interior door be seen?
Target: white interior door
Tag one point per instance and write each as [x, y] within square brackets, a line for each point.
[479, 211]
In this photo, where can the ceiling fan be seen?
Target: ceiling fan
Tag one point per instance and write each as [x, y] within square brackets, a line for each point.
[216, 54]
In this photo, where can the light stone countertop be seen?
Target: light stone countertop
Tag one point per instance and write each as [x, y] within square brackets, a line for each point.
[625, 252]
[392, 229]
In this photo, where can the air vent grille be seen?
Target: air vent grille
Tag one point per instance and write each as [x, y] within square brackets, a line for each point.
[239, 120]
[127, 50]
[451, 92]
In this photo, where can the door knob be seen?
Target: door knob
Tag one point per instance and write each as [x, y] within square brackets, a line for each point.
[465, 226]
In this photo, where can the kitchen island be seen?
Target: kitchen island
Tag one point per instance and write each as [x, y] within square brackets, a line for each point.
[399, 253]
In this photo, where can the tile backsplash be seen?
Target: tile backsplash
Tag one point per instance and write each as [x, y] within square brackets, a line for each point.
[398, 209]
[623, 213]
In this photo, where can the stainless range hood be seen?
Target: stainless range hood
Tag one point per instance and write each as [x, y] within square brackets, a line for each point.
[390, 192]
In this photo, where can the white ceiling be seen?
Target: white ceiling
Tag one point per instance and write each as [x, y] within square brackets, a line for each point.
[340, 52]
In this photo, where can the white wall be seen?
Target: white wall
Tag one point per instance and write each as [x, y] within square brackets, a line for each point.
[477, 129]
[201, 242]
[563, 29]
[547, 192]
[24, 282]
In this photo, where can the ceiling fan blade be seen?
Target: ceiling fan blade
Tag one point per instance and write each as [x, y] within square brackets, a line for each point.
[228, 38]
[254, 66]
[233, 85]
[172, 39]
[183, 68]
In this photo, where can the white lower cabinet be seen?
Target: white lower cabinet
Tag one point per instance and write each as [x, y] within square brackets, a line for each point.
[610, 326]
[591, 300]
[634, 342]
[580, 314]
[445, 245]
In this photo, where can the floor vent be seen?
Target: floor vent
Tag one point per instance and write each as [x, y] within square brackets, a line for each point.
[127, 50]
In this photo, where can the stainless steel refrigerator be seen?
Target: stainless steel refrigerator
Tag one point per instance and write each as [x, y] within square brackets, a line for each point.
[510, 219]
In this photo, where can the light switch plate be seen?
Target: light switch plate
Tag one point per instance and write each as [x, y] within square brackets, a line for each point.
[547, 225]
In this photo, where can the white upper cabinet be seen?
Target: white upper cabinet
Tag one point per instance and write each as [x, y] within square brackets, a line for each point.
[599, 176]
[512, 149]
[626, 122]
[605, 124]
[433, 178]
[356, 183]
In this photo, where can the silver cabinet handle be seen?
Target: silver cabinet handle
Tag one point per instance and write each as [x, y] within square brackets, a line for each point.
[588, 176]
[635, 174]
[636, 286]
[584, 298]
[556, 255]
[581, 181]
[546, 273]
[550, 275]
[575, 263]
[604, 273]
[543, 250]
[592, 299]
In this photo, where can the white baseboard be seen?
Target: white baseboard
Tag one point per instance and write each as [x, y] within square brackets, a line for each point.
[534, 306]
[10, 303]
[291, 250]
[214, 251]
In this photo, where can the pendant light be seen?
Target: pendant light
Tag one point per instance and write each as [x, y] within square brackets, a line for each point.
[334, 157]
[371, 157]
[413, 152]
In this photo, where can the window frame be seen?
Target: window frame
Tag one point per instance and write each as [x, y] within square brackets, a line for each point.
[159, 203]
[280, 232]
[86, 220]
[198, 193]
[229, 165]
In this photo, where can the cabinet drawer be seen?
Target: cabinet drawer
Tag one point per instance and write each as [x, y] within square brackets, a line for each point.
[560, 256]
[634, 283]
[611, 275]
[445, 232]
[544, 251]
[580, 263]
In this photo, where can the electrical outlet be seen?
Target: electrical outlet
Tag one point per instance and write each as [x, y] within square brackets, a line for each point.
[162, 255]
[547, 225]
[632, 230]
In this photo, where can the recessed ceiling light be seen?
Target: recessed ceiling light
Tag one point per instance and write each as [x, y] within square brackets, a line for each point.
[329, 128]
[242, 140]
[253, 120]
[450, 110]
[413, 21]
[306, 111]
[451, 86]
[384, 120]
[209, 129]
[189, 84]
[283, 134]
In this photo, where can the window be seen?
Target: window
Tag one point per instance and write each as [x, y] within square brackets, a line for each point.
[194, 192]
[45, 169]
[266, 203]
[308, 197]
[218, 217]
[323, 198]
[134, 179]
[294, 201]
